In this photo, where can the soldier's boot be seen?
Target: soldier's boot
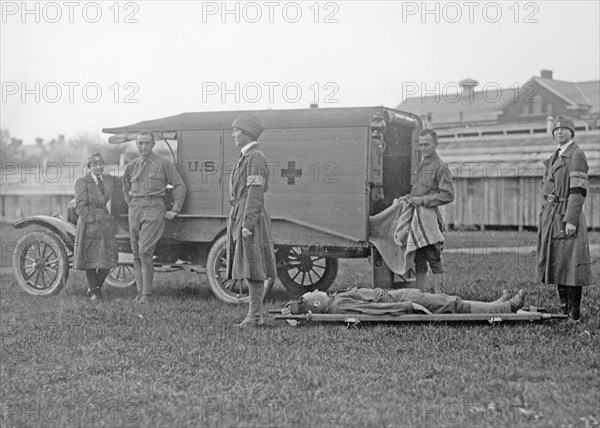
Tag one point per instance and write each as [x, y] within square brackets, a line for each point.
[513, 305]
[575, 303]
[421, 281]
[563, 299]
[439, 281]
[254, 317]
[139, 279]
[517, 301]
[147, 277]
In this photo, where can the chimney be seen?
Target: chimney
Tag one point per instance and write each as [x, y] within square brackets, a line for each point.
[549, 124]
[546, 74]
[468, 87]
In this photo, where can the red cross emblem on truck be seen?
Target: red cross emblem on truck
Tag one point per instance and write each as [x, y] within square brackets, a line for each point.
[291, 173]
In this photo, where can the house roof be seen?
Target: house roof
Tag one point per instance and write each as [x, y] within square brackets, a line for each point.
[460, 108]
[569, 91]
[511, 156]
[591, 91]
[485, 105]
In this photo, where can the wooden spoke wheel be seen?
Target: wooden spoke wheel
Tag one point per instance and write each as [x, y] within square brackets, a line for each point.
[301, 273]
[41, 263]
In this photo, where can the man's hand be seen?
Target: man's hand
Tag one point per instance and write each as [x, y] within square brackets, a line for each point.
[570, 229]
[420, 308]
[415, 201]
[170, 215]
[246, 233]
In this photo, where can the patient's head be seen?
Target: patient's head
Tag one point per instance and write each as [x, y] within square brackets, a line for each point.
[315, 301]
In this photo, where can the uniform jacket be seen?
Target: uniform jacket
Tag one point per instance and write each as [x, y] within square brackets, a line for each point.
[254, 257]
[564, 260]
[150, 178]
[433, 182]
[95, 243]
[377, 301]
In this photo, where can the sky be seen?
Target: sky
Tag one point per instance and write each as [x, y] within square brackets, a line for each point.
[73, 68]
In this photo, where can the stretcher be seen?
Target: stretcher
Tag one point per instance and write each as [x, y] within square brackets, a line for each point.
[531, 314]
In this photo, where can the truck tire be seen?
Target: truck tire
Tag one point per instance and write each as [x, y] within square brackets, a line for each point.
[226, 290]
[41, 263]
[123, 275]
[300, 273]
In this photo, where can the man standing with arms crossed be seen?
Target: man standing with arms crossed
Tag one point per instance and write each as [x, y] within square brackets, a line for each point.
[431, 188]
[144, 187]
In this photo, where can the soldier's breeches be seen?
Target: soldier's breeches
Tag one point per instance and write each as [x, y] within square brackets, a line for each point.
[146, 225]
[436, 303]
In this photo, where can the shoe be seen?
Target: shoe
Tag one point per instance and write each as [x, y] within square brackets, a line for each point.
[145, 298]
[95, 295]
[137, 298]
[503, 298]
[251, 323]
[517, 301]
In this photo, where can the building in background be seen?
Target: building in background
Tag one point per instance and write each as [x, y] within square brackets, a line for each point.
[495, 140]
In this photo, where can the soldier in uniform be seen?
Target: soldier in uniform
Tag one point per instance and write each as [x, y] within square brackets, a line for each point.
[563, 250]
[378, 301]
[251, 254]
[144, 187]
[431, 187]
[95, 244]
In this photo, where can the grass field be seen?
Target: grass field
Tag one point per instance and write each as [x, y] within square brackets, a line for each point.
[181, 362]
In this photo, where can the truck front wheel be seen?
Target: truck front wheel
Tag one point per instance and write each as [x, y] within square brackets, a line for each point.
[41, 263]
[300, 273]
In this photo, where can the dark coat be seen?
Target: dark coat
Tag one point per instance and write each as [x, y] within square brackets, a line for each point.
[564, 260]
[95, 243]
[252, 258]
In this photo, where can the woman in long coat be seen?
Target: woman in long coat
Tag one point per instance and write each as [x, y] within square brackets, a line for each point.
[563, 250]
[251, 253]
[95, 243]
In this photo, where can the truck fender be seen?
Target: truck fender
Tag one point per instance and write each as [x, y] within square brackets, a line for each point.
[61, 227]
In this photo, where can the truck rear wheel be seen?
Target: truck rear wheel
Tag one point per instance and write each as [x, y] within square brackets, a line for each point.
[300, 273]
[123, 275]
[41, 263]
[226, 290]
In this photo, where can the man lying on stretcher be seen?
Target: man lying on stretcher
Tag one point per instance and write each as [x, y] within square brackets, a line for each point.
[377, 301]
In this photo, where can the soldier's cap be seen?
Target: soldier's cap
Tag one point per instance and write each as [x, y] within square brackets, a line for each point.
[95, 158]
[564, 122]
[249, 123]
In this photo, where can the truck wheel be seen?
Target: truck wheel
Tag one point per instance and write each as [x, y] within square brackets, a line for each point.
[41, 263]
[229, 291]
[123, 275]
[300, 273]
